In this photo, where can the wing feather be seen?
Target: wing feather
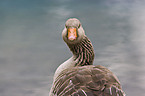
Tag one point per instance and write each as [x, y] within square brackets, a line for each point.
[87, 81]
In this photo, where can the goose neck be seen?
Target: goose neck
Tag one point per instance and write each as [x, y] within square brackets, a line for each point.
[83, 52]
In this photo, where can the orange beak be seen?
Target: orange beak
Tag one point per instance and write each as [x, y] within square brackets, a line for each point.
[72, 34]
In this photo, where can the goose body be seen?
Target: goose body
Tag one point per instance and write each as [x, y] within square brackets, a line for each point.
[78, 76]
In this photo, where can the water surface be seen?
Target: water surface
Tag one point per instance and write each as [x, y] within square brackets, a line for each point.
[31, 47]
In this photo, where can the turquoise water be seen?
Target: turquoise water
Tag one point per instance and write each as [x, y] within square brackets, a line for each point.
[31, 47]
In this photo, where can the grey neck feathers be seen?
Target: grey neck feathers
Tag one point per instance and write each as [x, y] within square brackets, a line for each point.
[83, 52]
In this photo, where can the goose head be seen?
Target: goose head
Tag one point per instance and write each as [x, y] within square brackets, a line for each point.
[73, 32]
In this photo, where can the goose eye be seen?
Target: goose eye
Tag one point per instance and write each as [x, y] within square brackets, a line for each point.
[66, 26]
[79, 25]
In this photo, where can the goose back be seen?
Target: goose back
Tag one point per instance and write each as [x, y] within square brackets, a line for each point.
[87, 81]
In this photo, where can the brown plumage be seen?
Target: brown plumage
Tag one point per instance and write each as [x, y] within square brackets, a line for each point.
[77, 76]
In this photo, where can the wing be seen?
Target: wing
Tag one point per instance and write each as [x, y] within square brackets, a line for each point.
[87, 81]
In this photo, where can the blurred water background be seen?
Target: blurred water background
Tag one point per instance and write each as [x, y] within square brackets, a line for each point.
[31, 46]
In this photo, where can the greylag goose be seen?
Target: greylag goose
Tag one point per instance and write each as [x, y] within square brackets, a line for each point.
[78, 76]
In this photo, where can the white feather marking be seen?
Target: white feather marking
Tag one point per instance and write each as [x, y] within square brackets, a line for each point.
[84, 93]
[110, 91]
[70, 82]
